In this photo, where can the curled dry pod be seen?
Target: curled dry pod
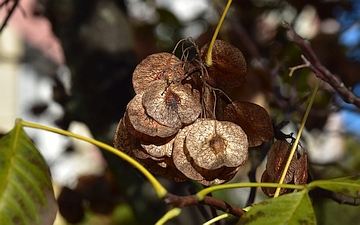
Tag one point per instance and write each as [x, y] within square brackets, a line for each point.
[158, 150]
[210, 151]
[171, 105]
[164, 168]
[181, 160]
[253, 119]
[276, 161]
[159, 66]
[214, 104]
[228, 67]
[142, 126]
[157, 159]
[122, 138]
[213, 144]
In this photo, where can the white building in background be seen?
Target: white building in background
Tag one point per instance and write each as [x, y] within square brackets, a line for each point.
[11, 50]
[22, 85]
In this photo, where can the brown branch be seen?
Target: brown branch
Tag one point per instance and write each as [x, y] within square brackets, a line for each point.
[341, 199]
[183, 201]
[10, 12]
[319, 69]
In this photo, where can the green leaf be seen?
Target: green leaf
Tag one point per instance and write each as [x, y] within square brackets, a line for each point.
[26, 193]
[294, 208]
[347, 186]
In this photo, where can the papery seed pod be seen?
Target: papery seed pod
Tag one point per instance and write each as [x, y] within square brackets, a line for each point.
[213, 144]
[159, 66]
[276, 161]
[158, 150]
[144, 154]
[253, 119]
[210, 151]
[142, 126]
[122, 139]
[228, 67]
[171, 105]
[213, 104]
[164, 168]
[180, 158]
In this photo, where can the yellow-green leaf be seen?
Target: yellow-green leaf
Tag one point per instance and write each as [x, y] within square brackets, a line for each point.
[26, 193]
[347, 186]
[291, 209]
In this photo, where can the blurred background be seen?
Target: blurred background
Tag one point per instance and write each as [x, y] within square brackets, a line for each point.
[68, 64]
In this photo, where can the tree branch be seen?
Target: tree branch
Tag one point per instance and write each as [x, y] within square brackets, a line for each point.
[183, 201]
[10, 12]
[319, 69]
[341, 199]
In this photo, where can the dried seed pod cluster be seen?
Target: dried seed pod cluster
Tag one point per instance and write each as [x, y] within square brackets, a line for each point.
[181, 126]
[276, 161]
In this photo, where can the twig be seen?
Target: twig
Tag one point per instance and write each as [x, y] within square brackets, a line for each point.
[319, 69]
[10, 12]
[322, 193]
[306, 64]
[183, 201]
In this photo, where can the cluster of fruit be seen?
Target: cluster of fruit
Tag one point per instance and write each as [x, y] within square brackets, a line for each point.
[181, 125]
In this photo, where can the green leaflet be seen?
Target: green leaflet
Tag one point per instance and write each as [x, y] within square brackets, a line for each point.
[291, 209]
[26, 193]
[347, 186]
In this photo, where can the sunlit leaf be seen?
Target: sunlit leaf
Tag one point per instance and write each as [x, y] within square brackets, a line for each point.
[347, 186]
[26, 194]
[291, 209]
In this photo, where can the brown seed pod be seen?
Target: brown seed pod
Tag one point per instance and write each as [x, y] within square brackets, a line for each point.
[142, 126]
[181, 160]
[163, 165]
[122, 138]
[213, 144]
[159, 66]
[171, 105]
[210, 151]
[164, 168]
[276, 161]
[213, 104]
[228, 67]
[158, 150]
[253, 119]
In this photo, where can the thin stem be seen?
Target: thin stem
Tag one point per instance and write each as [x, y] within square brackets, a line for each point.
[160, 190]
[208, 60]
[201, 194]
[172, 213]
[216, 219]
[294, 147]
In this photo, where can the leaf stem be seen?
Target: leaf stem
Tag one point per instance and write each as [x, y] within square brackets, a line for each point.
[201, 194]
[218, 218]
[172, 213]
[208, 60]
[294, 147]
[160, 190]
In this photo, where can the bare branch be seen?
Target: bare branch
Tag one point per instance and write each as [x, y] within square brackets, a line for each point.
[319, 69]
[10, 12]
[341, 199]
[183, 201]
